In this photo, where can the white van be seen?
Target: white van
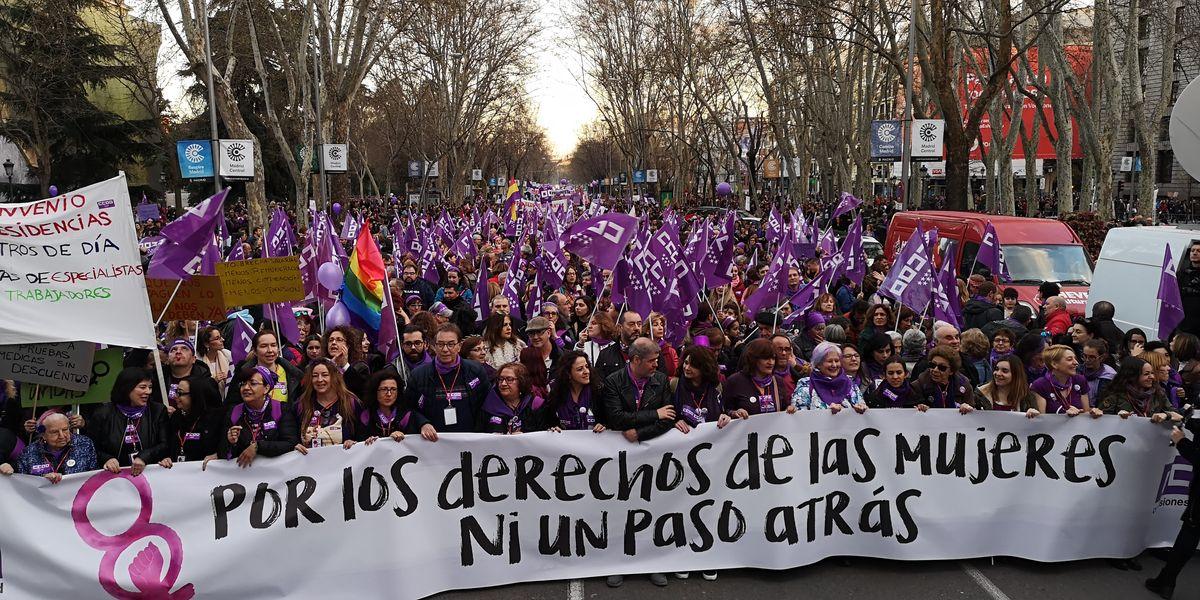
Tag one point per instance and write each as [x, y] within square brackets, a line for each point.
[1128, 269]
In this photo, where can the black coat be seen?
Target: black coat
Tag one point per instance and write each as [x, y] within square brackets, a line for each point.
[106, 427]
[425, 392]
[621, 411]
[195, 437]
[1111, 334]
[978, 312]
[1189, 292]
[202, 375]
[1190, 451]
[356, 376]
[279, 435]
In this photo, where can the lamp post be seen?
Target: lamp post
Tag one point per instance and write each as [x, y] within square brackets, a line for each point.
[924, 196]
[8, 172]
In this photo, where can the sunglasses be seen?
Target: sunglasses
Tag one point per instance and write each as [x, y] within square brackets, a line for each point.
[940, 366]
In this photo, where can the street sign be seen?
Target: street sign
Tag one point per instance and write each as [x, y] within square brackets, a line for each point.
[928, 137]
[639, 176]
[651, 175]
[476, 174]
[237, 158]
[195, 158]
[491, 181]
[1126, 164]
[336, 157]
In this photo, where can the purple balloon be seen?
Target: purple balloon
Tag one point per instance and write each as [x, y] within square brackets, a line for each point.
[330, 276]
[53, 190]
[724, 189]
[337, 315]
[337, 208]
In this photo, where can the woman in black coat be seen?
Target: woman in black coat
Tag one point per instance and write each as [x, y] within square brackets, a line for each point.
[130, 431]
[258, 425]
[195, 424]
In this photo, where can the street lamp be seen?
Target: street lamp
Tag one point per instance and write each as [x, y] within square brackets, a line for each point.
[924, 185]
[8, 172]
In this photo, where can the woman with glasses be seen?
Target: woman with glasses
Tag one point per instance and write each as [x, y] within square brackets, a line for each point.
[501, 344]
[328, 413]
[510, 403]
[941, 385]
[655, 328]
[285, 386]
[828, 386]
[1004, 342]
[386, 416]
[258, 425]
[217, 358]
[196, 429]
[852, 365]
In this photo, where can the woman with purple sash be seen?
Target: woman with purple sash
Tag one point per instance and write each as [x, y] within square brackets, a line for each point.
[259, 424]
[131, 431]
[943, 386]
[1062, 389]
[329, 413]
[756, 389]
[385, 414]
[573, 401]
[510, 404]
[697, 391]
[895, 391]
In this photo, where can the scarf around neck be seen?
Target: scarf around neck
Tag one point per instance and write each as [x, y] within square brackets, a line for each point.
[447, 369]
[896, 397]
[831, 390]
[132, 412]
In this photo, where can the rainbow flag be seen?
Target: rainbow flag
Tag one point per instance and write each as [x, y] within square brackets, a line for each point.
[364, 284]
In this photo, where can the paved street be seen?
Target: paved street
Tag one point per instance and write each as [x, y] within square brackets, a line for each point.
[869, 578]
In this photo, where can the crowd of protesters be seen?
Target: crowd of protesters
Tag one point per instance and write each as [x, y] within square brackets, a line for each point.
[583, 362]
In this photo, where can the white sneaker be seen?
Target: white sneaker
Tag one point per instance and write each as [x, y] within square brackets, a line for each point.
[682, 575]
[709, 575]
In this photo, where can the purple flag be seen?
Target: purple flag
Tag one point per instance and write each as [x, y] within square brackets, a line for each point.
[947, 306]
[186, 238]
[238, 253]
[513, 283]
[991, 255]
[851, 261]
[600, 240]
[533, 304]
[634, 286]
[682, 289]
[552, 265]
[428, 260]
[910, 280]
[717, 265]
[848, 203]
[283, 316]
[770, 290]
[281, 239]
[464, 246]
[774, 225]
[243, 336]
[350, 227]
[827, 243]
[804, 298]
[483, 305]
[1170, 305]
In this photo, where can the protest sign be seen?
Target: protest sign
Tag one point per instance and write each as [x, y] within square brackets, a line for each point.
[261, 281]
[70, 269]
[148, 212]
[67, 365]
[198, 299]
[775, 492]
[105, 365]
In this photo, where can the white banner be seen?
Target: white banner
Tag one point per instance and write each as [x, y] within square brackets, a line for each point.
[927, 138]
[336, 157]
[476, 510]
[236, 158]
[70, 270]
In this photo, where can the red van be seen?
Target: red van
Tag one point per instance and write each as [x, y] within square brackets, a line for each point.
[1036, 250]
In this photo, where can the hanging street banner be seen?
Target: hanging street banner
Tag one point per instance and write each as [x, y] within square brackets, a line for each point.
[773, 492]
[195, 158]
[336, 157]
[928, 136]
[70, 269]
[237, 159]
[887, 140]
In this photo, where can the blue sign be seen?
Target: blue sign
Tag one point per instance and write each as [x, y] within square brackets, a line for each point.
[639, 177]
[195, 158]
[887, 140]
[491, 181]
[622, 178]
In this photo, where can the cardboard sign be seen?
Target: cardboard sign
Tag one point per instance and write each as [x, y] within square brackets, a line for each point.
[66, 364]
[261, 281]
[105, 365]
[198, 299]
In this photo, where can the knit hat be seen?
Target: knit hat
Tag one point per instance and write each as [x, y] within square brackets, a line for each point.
[441, 310]
[182, 342]
[813, 318]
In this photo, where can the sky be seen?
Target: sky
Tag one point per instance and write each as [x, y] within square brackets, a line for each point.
[562, 104]
[563, 107]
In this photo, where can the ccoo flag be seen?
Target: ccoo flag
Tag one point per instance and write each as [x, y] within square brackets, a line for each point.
[600, 240]
[1170, 304]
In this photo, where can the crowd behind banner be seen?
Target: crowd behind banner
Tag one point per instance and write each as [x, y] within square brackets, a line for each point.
[515, 321]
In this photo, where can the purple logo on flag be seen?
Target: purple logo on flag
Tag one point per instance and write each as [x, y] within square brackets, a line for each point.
[106, 203]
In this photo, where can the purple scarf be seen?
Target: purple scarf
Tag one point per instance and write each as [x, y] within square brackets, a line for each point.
[447, 369]
[896, 397]
[601, 342]
[763, 382]
[132, 412]
[495, 405]
[425, 359]
[994, 357]
[831, 390]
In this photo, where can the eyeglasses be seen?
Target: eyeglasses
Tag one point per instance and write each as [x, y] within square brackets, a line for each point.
[389, 390]
[251, 383]
[940, 366]
[411, 344]
[507, 380]
[445, 345]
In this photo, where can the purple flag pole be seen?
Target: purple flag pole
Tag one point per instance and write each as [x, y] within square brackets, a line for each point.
[1170, 303]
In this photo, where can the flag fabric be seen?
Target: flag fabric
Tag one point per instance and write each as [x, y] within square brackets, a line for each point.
[483, 305]
[350, 227]
[770, 290]
[910, 279]
[514, 282]
[852, 250]
[991, 255]
[280, 241]
[774, 226]
[1170, 303]
[600, 240]
[363, 283]
[947, 306]
[847, 203]
[186, 238]
[717, 264]
[242, 338]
